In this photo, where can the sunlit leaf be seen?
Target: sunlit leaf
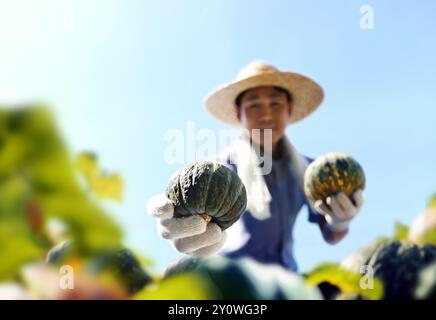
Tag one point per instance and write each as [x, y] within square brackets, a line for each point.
[17, 247]
[432, 201]
[86, 163]
[182, 287]
[347, 281]
[107, 186]
[102, 184]
[429, 237]
[38, 182]
[401, 231]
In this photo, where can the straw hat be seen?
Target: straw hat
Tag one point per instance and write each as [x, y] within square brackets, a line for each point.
[306, 93]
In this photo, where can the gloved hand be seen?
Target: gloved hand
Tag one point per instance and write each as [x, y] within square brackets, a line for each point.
[191, 235]
[339, 210]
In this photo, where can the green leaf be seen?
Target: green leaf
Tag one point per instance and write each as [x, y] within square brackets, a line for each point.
[426, 288]
[36, 169]
[86, 163]
[102, 184]
[432, 201]
[429, 237]
[347, 281]
[401, 231]
[107, 186]
[17, 247]
[181, 287]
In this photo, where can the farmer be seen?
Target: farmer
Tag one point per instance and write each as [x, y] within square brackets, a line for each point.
[263, 101]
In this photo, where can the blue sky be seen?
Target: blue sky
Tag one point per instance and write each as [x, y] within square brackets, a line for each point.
[122, 73]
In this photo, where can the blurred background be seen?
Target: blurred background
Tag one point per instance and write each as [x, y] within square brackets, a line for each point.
[120, 74]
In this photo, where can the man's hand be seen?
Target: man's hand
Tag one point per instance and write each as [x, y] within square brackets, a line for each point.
[191, 235]
[339, 210]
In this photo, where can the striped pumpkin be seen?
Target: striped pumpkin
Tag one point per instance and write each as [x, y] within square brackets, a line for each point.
[208, 189]
[333, 173]
[398, 264]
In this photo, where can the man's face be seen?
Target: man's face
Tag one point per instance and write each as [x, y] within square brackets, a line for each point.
[265, 108]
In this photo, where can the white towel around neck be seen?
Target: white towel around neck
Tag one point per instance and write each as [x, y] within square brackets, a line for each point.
[258, 195]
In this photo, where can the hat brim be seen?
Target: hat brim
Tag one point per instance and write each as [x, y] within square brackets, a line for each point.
[306, 93]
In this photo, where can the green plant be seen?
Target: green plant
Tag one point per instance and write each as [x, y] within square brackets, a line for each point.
[346, 281]
[38, 183]
[223, 278]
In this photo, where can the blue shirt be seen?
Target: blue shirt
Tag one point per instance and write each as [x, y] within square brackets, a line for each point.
[271, 240]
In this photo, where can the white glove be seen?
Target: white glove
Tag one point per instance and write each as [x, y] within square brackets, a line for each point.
[339, 210]
[191, 235]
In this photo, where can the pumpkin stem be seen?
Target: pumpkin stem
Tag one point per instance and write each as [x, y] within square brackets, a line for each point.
[206, 217]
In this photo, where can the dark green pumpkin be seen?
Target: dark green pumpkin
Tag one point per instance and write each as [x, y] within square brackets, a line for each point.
[333, 173]
[208, 188]
[397, 264]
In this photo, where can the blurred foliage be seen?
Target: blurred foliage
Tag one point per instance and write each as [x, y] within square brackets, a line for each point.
[347, 281]
[43, 202]
[432, 201]
[227, 278]
[423, 228]
[17, 246]
[38, 182]
[395, 267]
[429, 237]
[186, 286]
[102, 184]
[44, 281]
[426, 288]
[118, 264]
[401, 231]
[86, 163]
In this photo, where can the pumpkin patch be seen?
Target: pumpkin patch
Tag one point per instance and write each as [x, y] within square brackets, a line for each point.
[397, 263]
